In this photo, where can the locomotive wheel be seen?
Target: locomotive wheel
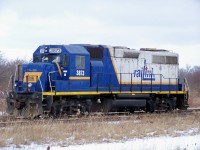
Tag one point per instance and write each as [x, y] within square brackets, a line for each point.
[29, 110]
[82, 110]
[25, 112]
[107, 104]
[150, 106]
[54, 111]
[96, 106]
[169, 106]
[13, 108]
[102, 106]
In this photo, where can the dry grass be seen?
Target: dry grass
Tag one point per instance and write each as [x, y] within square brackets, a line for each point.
[2, 105]
[84, 132]
[194, 100]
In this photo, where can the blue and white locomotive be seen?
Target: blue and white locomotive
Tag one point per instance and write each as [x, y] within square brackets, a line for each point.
[79, 78]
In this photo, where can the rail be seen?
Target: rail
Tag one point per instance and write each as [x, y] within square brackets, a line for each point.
[99, 117]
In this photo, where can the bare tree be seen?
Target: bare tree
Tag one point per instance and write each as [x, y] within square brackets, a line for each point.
[7, 68]
[192, 74]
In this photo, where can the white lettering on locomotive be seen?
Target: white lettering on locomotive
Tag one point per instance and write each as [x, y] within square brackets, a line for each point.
[55, 50]
[80, 72]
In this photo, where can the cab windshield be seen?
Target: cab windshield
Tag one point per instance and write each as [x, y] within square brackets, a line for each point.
[55, 58]
[51, 58]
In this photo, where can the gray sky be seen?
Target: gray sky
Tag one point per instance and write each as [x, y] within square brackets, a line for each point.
[166, 24]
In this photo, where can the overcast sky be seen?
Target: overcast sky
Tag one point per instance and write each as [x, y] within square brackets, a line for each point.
[166, 24]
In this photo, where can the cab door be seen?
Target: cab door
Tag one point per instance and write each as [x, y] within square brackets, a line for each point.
[80, 66]
[80, 72]
[65, 67]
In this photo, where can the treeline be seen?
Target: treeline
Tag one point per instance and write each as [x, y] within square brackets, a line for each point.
[7, 68]
[192, 74]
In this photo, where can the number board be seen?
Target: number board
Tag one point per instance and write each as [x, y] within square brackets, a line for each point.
[55, 50]
[80, 72]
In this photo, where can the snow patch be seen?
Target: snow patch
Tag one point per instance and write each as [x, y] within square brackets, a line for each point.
[151, 133]
[114, 122]
[154, 143]
[1, 113]
[158, 143]
[187, 132]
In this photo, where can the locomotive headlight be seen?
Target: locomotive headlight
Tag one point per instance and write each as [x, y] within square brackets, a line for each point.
[29, 85]
[15, 84]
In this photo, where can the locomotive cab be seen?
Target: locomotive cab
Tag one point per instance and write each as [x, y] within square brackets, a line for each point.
[72, 66]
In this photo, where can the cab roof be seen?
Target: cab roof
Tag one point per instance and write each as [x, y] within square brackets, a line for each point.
[58, 49]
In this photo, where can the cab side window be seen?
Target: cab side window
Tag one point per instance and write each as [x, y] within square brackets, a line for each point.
[65, 60]
[45, 58]
[36, 59]
[80, 62]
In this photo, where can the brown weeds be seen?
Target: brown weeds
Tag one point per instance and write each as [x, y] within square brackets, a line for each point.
[2, 105]
[83, 132]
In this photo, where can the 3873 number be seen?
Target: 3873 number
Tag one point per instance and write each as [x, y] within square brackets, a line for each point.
[80, 72]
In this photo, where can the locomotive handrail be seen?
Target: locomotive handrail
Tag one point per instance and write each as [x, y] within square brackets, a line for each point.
[187, 89]
[120, 78]
[41, 84]
[11, 78]
[49, 75]
[162, 77]
[186, 85]
[15, 72]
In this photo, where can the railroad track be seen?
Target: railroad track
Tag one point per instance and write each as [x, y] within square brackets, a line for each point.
[64, 120]
[192, 110]
[116, 116]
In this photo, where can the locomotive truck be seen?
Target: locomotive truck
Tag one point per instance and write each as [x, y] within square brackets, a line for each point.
[82, 78]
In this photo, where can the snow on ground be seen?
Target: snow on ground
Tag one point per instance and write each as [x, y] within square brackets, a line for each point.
[150, 143]
[2, 113]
